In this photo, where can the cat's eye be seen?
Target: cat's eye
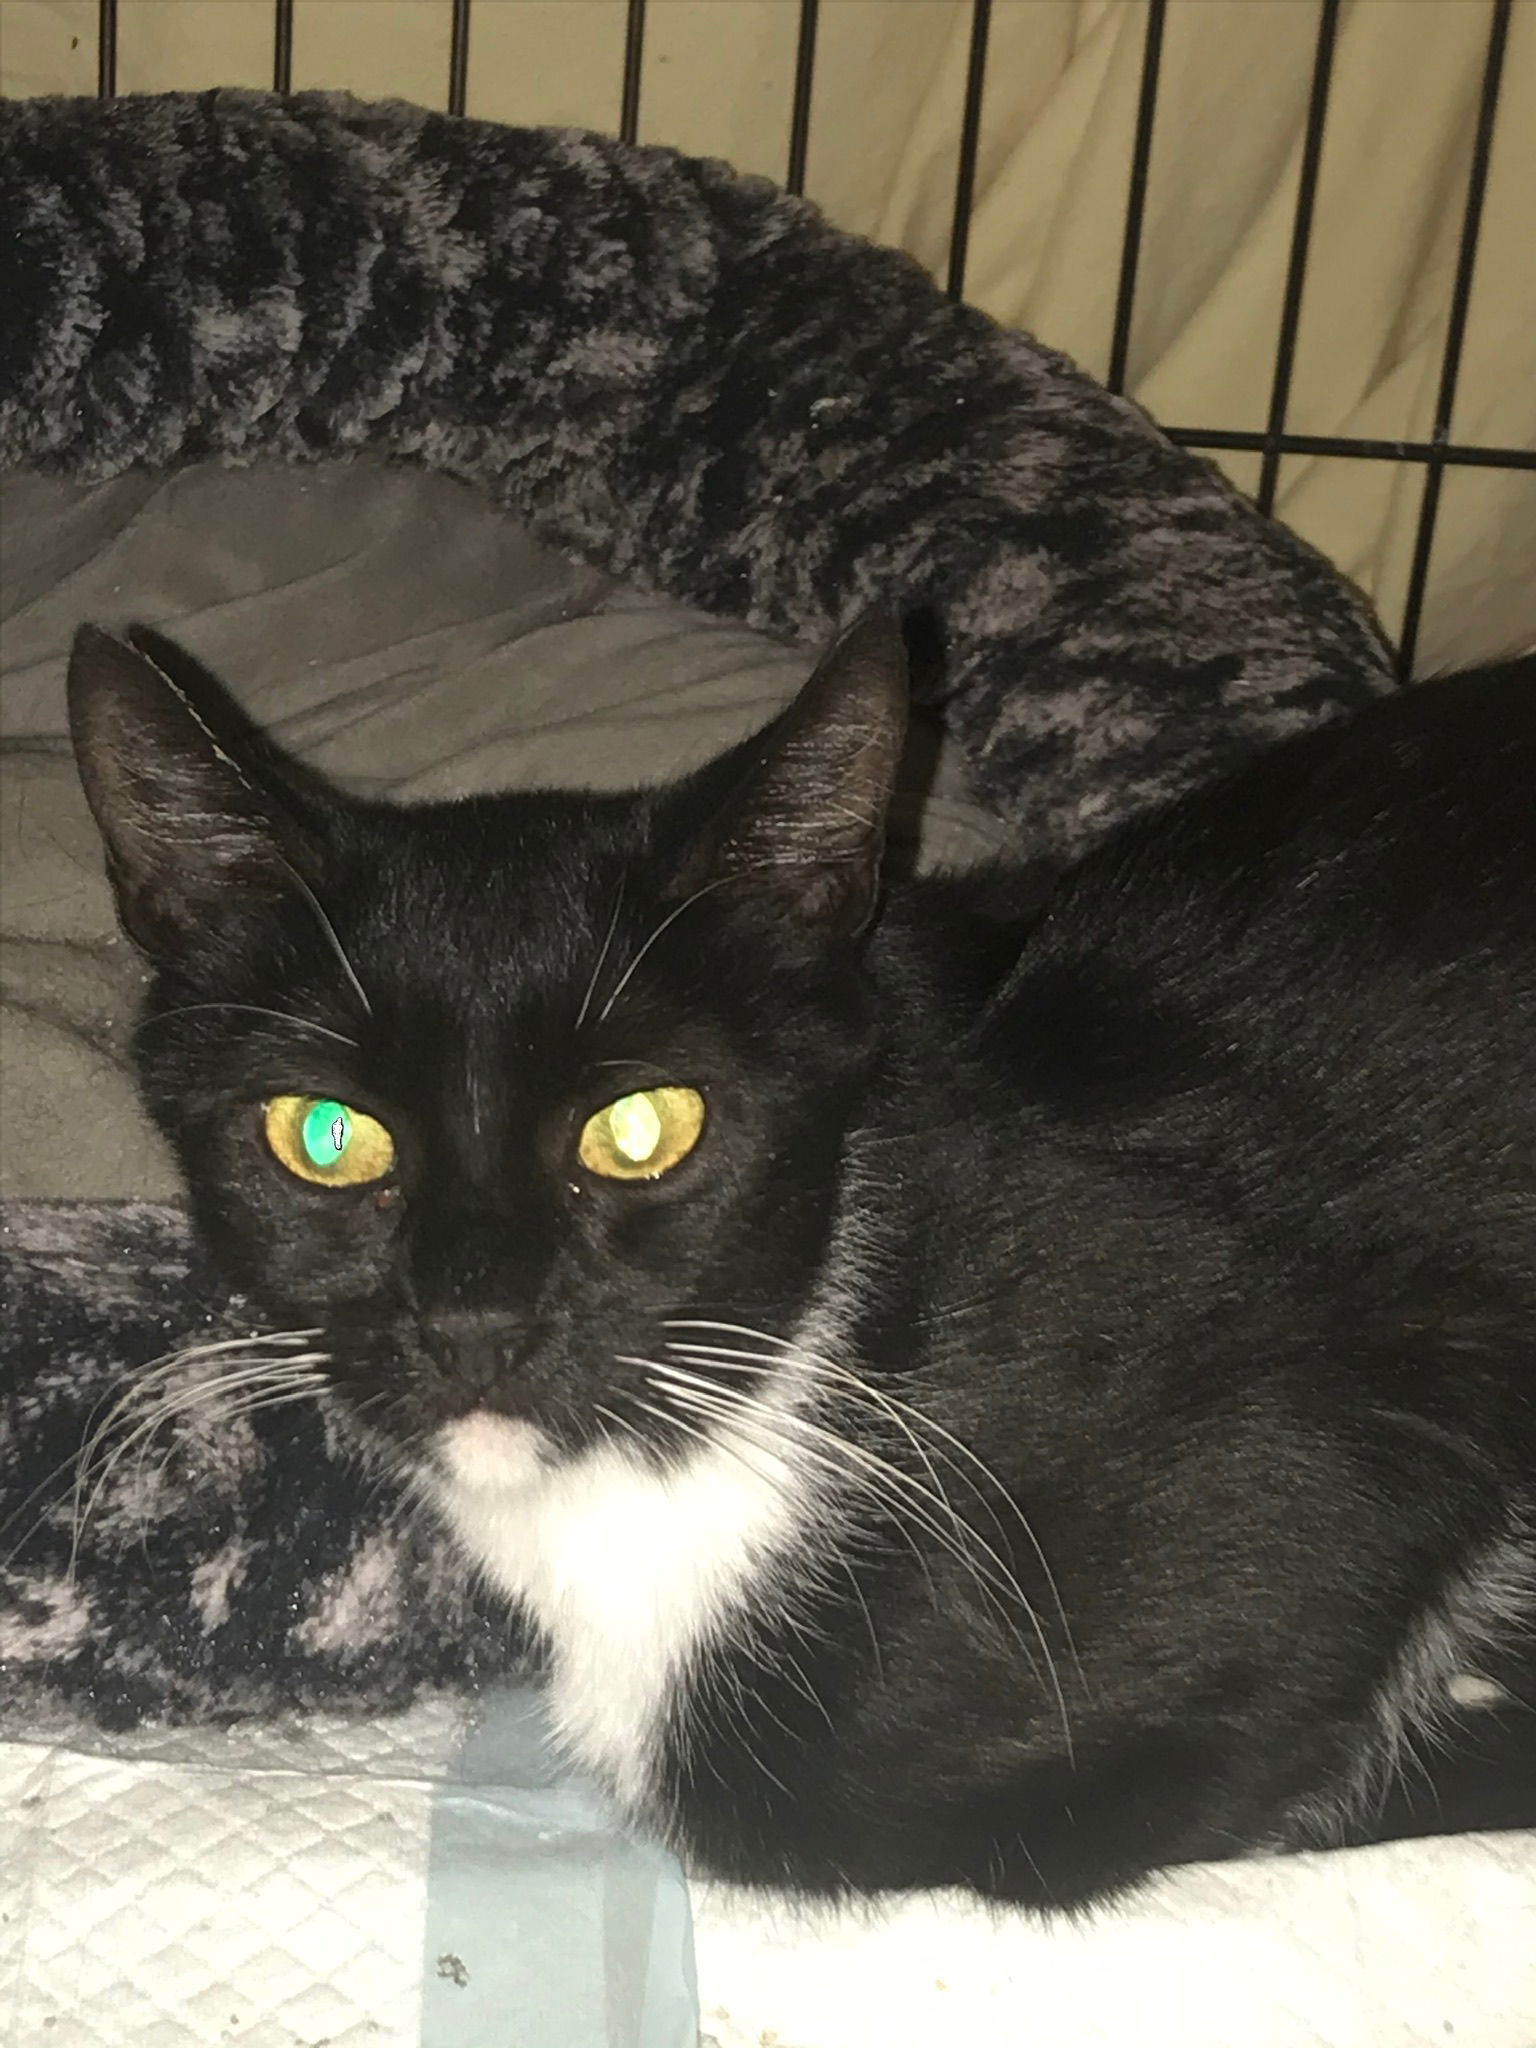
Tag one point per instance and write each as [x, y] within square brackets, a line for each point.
[327, 1142]
[642, 1136]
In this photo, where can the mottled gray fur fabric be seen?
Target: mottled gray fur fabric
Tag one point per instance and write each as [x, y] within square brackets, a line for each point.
[693, 381]
[230, 1565]
[682, 376]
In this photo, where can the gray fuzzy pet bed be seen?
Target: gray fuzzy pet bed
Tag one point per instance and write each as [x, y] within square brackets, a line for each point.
[693, 383]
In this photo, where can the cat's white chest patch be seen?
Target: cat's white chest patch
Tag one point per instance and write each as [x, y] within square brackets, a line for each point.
[632, 1571]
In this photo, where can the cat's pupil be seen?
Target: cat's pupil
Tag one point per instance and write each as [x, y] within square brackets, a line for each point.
[327, 1132]
[634, 1124]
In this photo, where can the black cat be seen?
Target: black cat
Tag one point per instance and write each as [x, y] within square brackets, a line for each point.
[969, 1386]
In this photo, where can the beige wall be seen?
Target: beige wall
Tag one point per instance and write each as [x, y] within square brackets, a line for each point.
[1045, 247]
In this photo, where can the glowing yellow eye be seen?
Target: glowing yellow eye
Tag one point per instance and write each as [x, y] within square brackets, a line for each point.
[641, 1137]
[328, 1142]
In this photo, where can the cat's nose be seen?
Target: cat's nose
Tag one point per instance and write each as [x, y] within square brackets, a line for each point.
[479, 1353]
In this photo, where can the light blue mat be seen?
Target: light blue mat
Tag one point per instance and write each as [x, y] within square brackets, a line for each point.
[547, 1926]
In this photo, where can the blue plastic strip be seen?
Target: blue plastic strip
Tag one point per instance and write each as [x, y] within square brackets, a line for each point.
[547, 1926]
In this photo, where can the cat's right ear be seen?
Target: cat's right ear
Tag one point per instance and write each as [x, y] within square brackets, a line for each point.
[187, 828]
[806, 825]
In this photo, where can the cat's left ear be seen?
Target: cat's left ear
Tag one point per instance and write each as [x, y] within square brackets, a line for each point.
[187, 825]
[806, 825]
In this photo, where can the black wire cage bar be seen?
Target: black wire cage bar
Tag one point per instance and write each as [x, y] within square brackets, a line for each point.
[1275, 440]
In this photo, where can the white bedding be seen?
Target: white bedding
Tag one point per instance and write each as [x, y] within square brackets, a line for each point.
[251, 1887]
[1419, 1944]
[418, 1883]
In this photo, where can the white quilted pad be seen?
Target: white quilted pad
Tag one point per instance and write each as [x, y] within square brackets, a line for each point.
[255, 1888]
[410, 1884]
[420, 1883]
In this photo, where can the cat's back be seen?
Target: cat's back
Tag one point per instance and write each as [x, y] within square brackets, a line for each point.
[1423, 801]
[1320, 970]
[1401, 841]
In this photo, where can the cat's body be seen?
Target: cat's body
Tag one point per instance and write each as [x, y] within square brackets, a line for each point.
[1072, 1403]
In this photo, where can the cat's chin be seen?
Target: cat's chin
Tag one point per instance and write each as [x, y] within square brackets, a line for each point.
[487, 1453]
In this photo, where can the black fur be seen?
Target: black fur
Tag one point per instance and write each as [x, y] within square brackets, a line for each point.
[1197, 1202]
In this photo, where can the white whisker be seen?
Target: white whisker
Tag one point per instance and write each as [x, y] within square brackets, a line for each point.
[954, 1445]
[994, 1571]
[781, 1657]
[732, 1403]
[897, 1491]
[602, 958]
[664, 926]
[114, 1405]
[164, 1394]
[254, 1010]
[330, 932]
[835, 1556]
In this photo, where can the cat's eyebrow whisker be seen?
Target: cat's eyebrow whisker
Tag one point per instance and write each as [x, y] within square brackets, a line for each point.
[255, 1010]
[719, 882]
[322, 918]
[602, 958]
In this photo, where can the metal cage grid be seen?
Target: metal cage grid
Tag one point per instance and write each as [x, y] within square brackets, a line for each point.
[1271, 444]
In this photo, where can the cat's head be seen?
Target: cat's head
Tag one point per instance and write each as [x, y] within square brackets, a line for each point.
[492, 1091]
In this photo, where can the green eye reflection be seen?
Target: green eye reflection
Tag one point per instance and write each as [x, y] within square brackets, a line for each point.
[327, 1142]
[327, 1132]
[642, 1136]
